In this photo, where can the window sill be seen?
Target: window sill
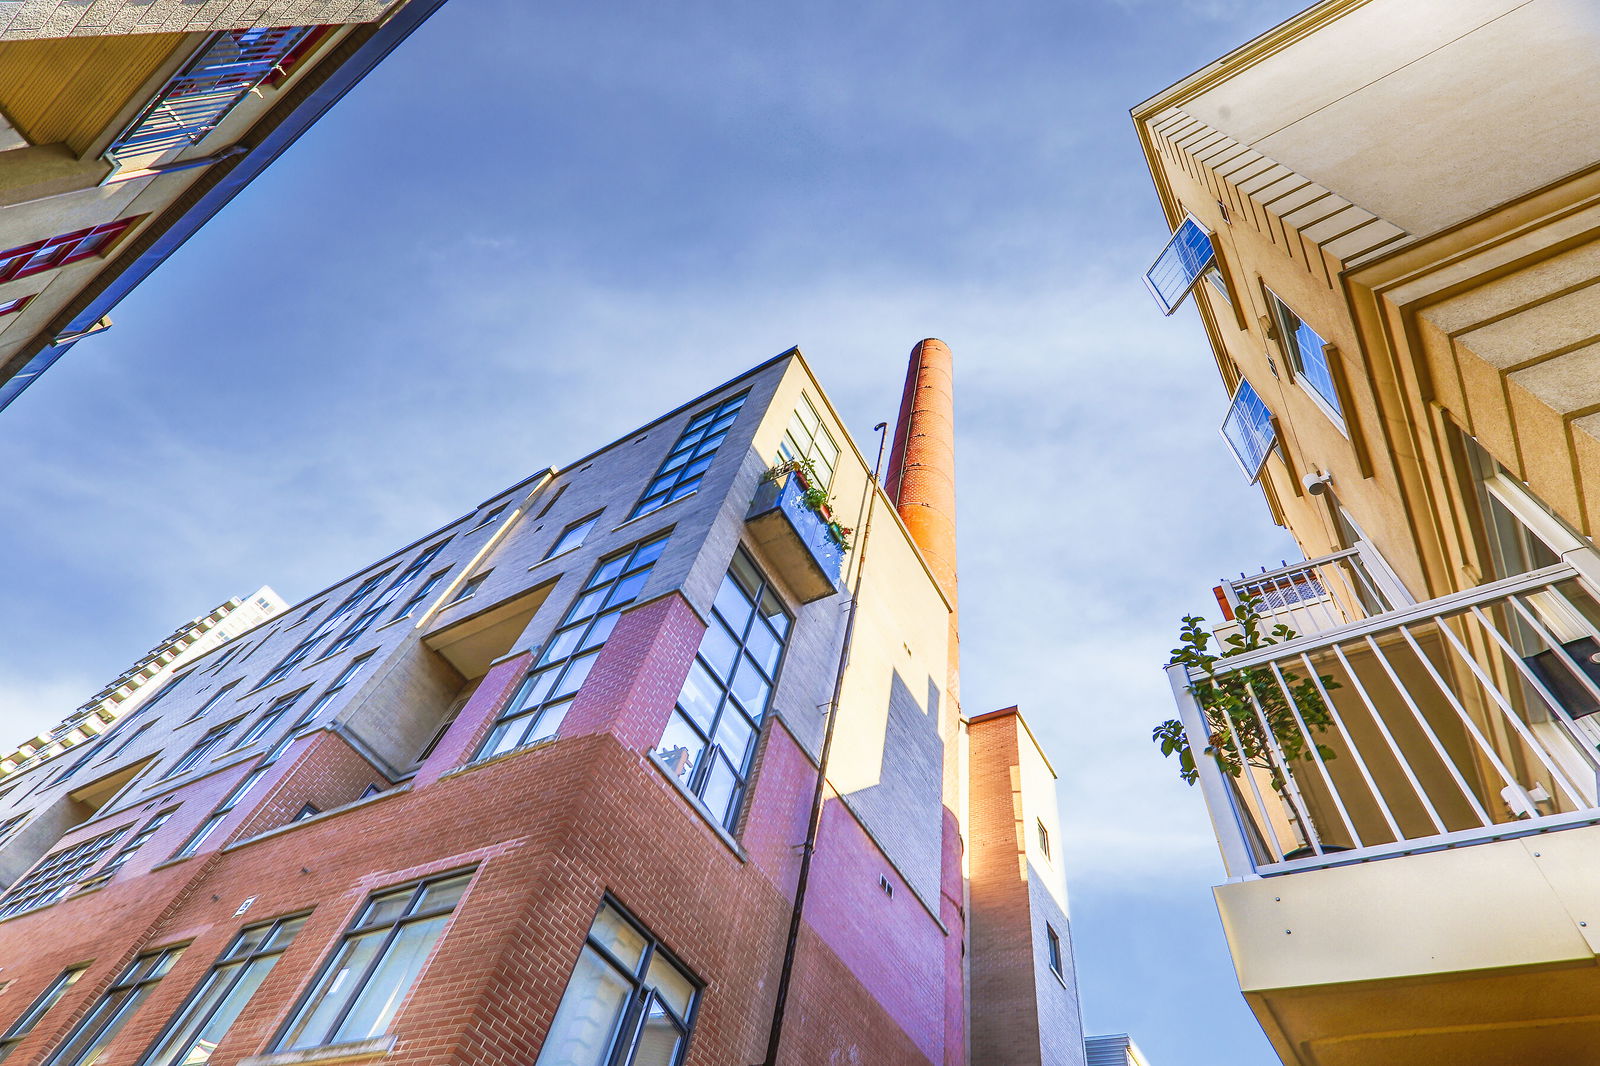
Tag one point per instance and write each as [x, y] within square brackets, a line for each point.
[694, 804]
[655, 510]
[365, 1049]
[478, 764]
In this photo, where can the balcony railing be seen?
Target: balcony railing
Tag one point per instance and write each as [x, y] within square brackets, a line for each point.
[796, 538]
[1464, 719]
[1318, 594]
[195, 100]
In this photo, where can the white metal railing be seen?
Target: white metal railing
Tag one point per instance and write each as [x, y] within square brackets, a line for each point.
[1317, 594]
[1460, 720]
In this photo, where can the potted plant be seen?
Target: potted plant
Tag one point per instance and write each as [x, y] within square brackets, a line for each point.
[813, 495]
[1235, 703]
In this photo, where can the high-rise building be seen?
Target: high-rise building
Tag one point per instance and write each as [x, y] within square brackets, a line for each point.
[146, 677]
[655, 758]
[1387, 214]
[126, 124]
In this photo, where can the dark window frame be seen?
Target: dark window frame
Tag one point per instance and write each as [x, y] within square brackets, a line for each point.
[691, 455]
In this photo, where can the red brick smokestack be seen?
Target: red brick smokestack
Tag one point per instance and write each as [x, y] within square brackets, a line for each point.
[922, 483]
[922, 465]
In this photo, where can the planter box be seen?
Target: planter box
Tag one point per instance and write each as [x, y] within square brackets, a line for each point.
[795, 539]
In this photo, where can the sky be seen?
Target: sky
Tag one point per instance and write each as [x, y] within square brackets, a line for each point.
[537, 226]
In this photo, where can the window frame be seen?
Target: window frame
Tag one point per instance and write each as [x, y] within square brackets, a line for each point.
[201, 748]
[672, 475]
[271, 946]
[584, 526]
[787, 443]
[114, 1007]
[1053, 952]
[310, 1000]
[34, 1013]
[1294, 354]
[555, 694]
[1182, 247]
[1234, 407]
[66, 248]
[627, 1027]
[469, 588]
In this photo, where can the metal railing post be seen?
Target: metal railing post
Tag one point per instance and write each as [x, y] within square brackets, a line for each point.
[1227, 821]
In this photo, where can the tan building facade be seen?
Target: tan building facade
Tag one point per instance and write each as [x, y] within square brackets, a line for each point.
[1388, 216]
[125, 126]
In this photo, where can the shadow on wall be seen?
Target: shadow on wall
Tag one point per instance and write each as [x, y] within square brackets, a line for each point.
[904, 809]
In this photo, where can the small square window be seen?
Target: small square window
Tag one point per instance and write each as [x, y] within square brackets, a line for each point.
[1053, 947]
[469, 589]
[573, 535]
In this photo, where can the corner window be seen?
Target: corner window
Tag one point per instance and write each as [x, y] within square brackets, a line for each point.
[540, 704]
[628, 1003]
[572, 536]
[89, 1038]
[36, 1010]
[1249, 430]
[193, 1035]
[360, 990]
[807, 440]
[690, 457]
[711, 737]
[1308, 358]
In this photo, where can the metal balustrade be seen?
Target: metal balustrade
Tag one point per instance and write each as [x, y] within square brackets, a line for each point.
[1317, 594]
[1460, 720]
[194, 101]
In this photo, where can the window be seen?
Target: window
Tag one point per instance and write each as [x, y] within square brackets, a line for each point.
[466, 591]
[275, 713]
[9, 827]
[36, 1010]
[1179, 266]
[365, 619]
[213, 701]
[807, 440]
[12, 306]
[489, 516]
[302, 651]
[1308, 357]
[88, 1039]
[628, 1003]
[192, 757]
[55, 874]
[1248, 429]
[572, 536]
[231, 800]
[120, 858]
[48, 254]
[711, 736]
[423, 591]
[309, 810]
[1219, 283]
[131, 737]
[160, 694]
[1044, 839]
[193, 1035]
[683, 467]
[538, 707]
[360, 989]
[334, 689]
[1053, 950]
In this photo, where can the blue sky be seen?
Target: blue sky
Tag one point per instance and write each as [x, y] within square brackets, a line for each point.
[535, 227]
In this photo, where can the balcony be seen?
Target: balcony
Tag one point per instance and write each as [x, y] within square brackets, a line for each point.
[1317, 594]
[1406, 803]
[795, 538]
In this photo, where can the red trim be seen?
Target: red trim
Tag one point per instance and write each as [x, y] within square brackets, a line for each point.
[11, 307]
[54, 252]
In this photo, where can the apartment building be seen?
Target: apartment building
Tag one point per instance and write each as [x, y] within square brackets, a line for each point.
[653, 758]
[126, 124]
[146, 677]
[1387, 215]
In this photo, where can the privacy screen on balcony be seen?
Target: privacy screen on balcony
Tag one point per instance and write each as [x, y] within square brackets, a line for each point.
[1248, 430]
[1179, 266]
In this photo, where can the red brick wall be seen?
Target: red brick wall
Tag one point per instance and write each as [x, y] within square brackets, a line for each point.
[640, 671]
[326, 773]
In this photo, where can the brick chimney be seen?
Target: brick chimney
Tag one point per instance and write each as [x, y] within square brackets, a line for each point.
[922, 464]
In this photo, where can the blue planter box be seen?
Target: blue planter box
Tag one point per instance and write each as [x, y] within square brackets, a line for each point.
[795, 538]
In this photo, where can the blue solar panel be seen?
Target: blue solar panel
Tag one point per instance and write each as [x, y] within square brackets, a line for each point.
[1248, 430]
[1180, 264]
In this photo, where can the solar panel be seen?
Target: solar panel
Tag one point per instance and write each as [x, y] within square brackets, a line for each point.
[1180, 264]
[1248, 430]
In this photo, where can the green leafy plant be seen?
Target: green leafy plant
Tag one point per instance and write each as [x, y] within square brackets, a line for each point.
[1233, 718]
[812, 494]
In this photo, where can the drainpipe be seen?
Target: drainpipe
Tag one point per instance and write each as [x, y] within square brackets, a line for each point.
[814, 825]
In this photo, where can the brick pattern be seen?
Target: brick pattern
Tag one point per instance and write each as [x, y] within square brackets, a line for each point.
[604, 821]
[327, 774]
[639, 673]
